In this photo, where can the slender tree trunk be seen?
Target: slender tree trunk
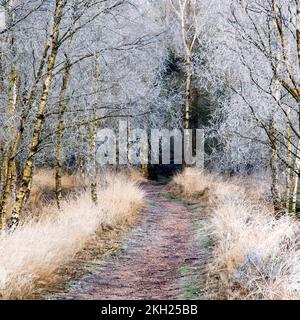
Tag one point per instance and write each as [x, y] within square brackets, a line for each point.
[11, 155]
[4, 179]
[13, 78]
[275, 190]
[187, 15]
[81, 156]
[274, 163]
[298, 28]
[93, 165]
[295, 182]
[2, 156]
[4, 165]
[288, 171]
[13, 88]
[293, 208]
[82, 166]
[1, 73]
[145, 171]
[92, 135]
[187, 93]
[297, 160]
[9, 173]
[59, 137]
[24, 189]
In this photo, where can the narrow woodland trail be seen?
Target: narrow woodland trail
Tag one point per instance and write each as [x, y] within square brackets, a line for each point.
[159, 260]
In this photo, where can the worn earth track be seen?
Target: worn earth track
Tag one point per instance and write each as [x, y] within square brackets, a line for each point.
[159, 260]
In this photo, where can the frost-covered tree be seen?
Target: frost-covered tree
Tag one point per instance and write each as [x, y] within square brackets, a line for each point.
[258, 59]
[72, 67]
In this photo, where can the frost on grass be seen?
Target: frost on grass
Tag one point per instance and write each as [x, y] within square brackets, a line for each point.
[30, 256]
[254, 255]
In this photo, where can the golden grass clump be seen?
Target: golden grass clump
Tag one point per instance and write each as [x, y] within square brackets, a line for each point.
[44, 179]
[43, 187]
[120, 198]
[30, 256]
[192, 184]
[136, 175]
[253, 254]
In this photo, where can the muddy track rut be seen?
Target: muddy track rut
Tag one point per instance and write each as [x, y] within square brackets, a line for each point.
[158, 259]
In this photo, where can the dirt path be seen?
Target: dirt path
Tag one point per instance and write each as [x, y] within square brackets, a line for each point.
[157, 261]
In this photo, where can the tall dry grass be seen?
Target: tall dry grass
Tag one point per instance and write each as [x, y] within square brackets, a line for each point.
[136, 175]
[253, 255]
[192, 182]
[30, 256]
